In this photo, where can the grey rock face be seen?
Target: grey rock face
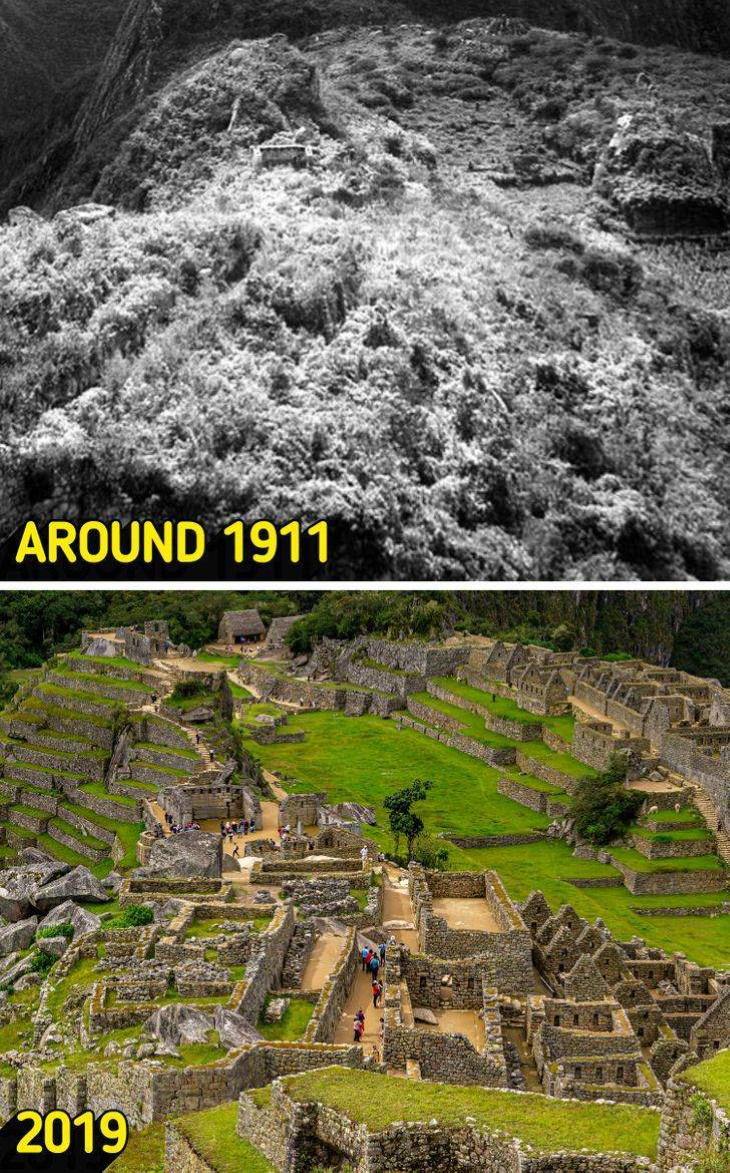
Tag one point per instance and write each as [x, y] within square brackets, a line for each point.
[69, 913]
[423, 1014]
[18, 935]
[276, 1009]
[18, 887]
[234, 1029]
[191, 853]
[54, 946]
[77, 884]
[176, 1025]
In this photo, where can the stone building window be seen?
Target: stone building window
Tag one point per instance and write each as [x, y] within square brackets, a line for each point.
[556, 1021]
[599, 1075]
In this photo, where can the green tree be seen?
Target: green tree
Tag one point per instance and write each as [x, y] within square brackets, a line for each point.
[402, 818]
[603, 808]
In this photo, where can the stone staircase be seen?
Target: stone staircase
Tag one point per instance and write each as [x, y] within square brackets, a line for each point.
[707, 809]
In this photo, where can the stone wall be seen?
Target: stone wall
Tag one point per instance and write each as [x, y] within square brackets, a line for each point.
[393, 682]
[681, 1136]
[265, 967]
[516, 730]
[510, 948]
[546, 773]
[188, 803]
[159, 731]
[594, 743]
[299, 1136]
[670, 883]
[328, 1010]
[512, 788]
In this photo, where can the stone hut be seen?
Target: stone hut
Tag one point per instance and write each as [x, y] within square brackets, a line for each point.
[241, 627]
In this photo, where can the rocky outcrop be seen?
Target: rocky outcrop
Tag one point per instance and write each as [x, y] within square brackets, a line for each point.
[77, 884]
[18, 935]
[662, 180]
[190, 854]
[72, 914]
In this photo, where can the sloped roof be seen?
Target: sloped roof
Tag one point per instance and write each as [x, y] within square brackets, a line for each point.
[242, 623]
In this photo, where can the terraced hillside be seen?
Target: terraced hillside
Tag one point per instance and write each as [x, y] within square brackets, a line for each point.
[59, 790]
[500, 777]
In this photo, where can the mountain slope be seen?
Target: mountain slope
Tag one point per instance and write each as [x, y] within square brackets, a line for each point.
[440, 335]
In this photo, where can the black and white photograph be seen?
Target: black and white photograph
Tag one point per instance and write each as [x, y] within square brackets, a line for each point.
[453, 277]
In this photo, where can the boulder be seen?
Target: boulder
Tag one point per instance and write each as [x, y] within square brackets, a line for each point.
[177, 1024]
[661, 179]
[275, 1009]
[23, 216]
[18, 935]
[54, 946]
[18, 886]
[112, 882]
[69, 913]
[77, 884]
[234, 1030]
[86, 214]
[188, 854]
[423, 1014]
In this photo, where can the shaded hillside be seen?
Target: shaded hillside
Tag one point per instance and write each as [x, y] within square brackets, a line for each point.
[441, 335]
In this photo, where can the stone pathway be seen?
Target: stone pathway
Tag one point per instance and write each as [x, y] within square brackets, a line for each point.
[322, 961]
[707, 809]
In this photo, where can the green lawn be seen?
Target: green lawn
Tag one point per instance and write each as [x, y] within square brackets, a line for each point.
[712, 1077]
[686, 815]
[639, 862]
[507, 709]
[293, 1023]
[179, 751]
[472, 724]
[550, 865]
[212, 1134]
[547, 1124]
[686, 835]
[145, 1151]
[112, 661]
[364, 759]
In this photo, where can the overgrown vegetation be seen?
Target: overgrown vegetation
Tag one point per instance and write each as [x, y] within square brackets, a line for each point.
[276, 342]
[602, 808]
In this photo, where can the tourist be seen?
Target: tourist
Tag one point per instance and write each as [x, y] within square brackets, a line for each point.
[244, 825]
[364, 855]
[364, 957]
[377, 988]
[359, 1028]
[234, 853]
[223, 827]
[382, 952]
[374, 965]
[375, 1052]
[368, 958]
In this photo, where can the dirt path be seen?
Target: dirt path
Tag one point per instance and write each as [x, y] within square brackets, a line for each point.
[322, 961]
[398, 914]
[360, 998]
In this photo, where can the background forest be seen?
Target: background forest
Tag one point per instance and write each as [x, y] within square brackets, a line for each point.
[688, 630]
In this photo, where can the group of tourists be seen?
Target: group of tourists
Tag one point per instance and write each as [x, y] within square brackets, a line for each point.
[174, 828]
[237, 827]
[372, 961]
